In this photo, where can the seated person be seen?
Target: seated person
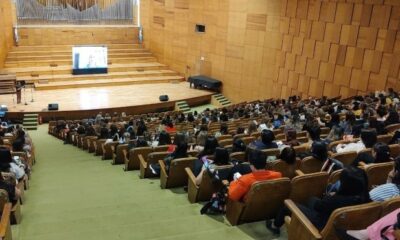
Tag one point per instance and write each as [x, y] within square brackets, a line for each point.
[239, 187]
[267, 141]
[209, 149]
[380, 154]
[391, 188]
[368, 140]
[162, 139]
[13, 192]
[374, 231]
[353, 190]
[221, 158]
[179, 152]
[8, 165]
[291, 138]
[238, 145]
[288, 155]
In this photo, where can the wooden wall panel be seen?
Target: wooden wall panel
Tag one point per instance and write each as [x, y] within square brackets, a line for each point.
[263, 49]
[7, 19]
[67, 35]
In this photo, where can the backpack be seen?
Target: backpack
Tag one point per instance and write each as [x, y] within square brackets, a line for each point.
[217, 203]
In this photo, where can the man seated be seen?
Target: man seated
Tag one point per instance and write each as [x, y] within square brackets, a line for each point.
[240, 187]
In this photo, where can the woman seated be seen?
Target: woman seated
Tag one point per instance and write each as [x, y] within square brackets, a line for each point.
[209, 149]
[380, 154]
[13, 192]
[368, 139]
[391, 188]
[8, 164]
[221, 158]
[353, 191]
[162, 139]
[223, 130]
[179, 152]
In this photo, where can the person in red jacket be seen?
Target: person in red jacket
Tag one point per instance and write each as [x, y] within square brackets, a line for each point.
[241, 186]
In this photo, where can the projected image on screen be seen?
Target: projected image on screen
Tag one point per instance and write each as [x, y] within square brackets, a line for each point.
[89, 59]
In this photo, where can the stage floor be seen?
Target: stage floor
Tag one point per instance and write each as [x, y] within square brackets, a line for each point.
[97, 98]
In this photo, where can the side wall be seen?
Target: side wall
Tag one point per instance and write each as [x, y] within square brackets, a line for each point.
[277, 48]
[7, 17]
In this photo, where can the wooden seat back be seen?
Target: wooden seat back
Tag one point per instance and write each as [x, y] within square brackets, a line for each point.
[384, 138]
[162, 148]
[308, 185]
[271, 152]
[263, 200]
[301, 148]
[358, 217]
[223, 137]
[392, 127]
[248, 140]
[353, 217]
[287, 170]
[176, 176]
[99, 148]
[347, 158]
[151, 158]
[207, 186]
[133, 160]
[378, 173]
[118, 156]
[241, 156]
[390, 205]
[225, 142]
[310, 165]
[394, 150]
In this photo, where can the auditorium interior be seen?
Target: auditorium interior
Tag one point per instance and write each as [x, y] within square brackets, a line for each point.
[199, 119]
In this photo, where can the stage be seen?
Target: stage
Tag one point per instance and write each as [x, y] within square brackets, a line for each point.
[78, 103]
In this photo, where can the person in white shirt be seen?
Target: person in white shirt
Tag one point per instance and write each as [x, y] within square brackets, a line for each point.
[368, 140]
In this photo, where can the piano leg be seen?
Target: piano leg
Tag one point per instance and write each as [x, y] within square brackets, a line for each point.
[19, 96]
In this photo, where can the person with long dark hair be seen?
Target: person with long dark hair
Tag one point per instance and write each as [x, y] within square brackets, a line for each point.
[353, 190]
[221, 158]
[209, 149]
[8, 165]
[179, 152]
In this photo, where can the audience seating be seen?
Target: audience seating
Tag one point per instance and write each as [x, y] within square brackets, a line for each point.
[385, 138]
[378, 173]
[99, 148]
[287, 170]
[263, 200]
[353, 217]
[176, 176]
[347, 158]
[207, 187]
[132, 161]
[241, 156]
[310, 165]
[107, 149]
[392, 127]
[308, 185]
[118, 153]
[151, 158]
[394, 150]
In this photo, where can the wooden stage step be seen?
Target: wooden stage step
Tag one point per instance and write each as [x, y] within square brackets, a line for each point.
[57, 52]
[128, 67]
[107, 82]
[111, 75]
[67, 56]
[37, 63]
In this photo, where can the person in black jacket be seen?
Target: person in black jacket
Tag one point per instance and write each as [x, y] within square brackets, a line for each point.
[353, 190]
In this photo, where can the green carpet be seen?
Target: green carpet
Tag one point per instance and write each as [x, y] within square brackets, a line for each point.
[75, 195]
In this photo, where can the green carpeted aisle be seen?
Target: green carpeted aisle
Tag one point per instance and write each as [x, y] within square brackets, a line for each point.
[75, 195]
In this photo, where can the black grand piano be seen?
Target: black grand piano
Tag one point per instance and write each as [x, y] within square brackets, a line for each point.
[205, 82]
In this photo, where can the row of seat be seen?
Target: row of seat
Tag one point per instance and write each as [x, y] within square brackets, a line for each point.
[11, 212]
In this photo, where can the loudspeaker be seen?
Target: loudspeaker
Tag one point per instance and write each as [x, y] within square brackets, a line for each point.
[164, 98]
[53, 106]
